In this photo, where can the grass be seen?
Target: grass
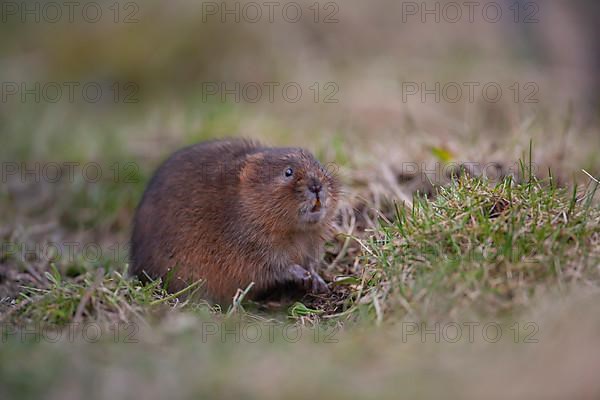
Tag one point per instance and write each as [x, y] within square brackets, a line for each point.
[476, 246]
[490, 247]
[93, 296]
[520, 253]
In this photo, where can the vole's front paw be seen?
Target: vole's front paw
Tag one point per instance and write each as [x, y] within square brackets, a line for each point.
[301, 276]
[309, 280]
[318, 284]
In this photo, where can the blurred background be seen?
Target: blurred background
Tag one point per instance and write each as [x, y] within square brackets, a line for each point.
[364, 69]
[367, 85]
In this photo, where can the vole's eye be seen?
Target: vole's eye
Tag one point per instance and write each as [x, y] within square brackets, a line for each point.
[289, 172]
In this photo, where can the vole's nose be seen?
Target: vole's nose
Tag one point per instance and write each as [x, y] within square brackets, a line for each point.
[315, 186]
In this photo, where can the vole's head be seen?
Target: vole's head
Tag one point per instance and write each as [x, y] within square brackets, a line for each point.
[290, 188]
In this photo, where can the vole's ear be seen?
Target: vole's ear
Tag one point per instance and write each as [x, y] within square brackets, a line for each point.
[252, 170]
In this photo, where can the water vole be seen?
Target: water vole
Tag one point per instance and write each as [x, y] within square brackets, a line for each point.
[231, 212]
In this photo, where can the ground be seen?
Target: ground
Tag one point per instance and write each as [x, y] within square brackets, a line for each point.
[448, 282]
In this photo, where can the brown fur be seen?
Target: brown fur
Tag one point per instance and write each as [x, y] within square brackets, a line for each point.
[224, 212]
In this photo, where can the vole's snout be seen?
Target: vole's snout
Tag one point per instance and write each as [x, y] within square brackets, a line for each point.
[315, 186]
[316, 193]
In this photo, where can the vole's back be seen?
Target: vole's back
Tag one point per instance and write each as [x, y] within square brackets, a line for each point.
[186, 219]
